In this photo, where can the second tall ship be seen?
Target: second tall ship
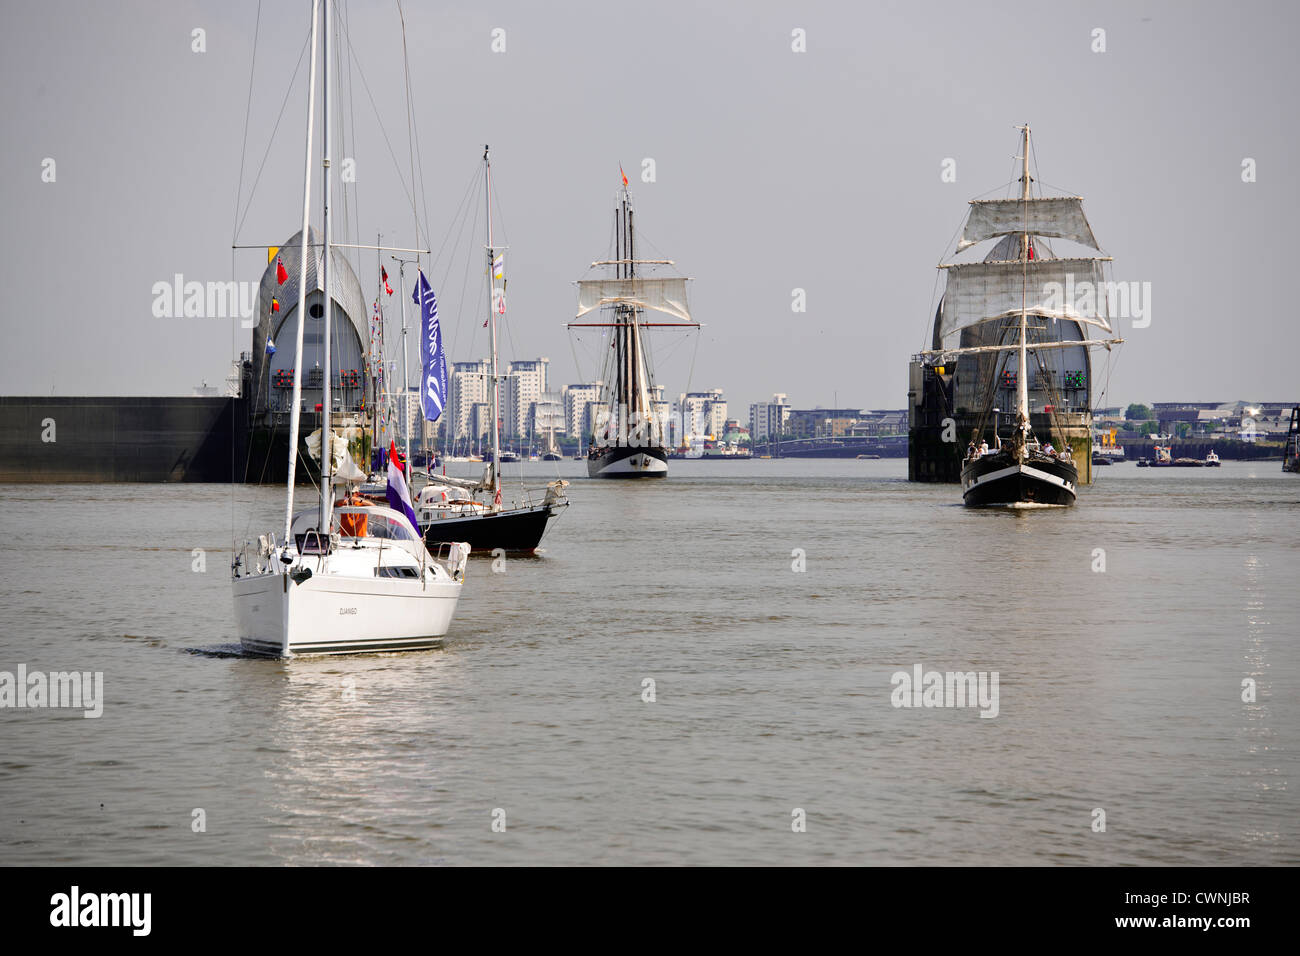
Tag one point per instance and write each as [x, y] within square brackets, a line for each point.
[627, 439]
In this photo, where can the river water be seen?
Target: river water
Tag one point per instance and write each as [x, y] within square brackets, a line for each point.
[1121, 632]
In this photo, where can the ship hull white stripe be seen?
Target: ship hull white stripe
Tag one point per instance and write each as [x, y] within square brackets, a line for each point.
[1020, 469]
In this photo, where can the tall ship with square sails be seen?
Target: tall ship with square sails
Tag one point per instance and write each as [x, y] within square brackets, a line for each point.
[627, 439]
[1021, 312]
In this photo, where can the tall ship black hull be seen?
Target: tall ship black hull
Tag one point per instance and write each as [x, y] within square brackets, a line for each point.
[1000, 480]
[620, 461]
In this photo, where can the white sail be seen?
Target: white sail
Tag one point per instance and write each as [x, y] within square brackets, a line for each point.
[666, 295]
[977, 292]
[1056, 216]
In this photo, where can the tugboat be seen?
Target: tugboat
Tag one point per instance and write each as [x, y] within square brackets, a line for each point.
[1011, 285]
[1162, 459]
[628, 441]
[1105, 450]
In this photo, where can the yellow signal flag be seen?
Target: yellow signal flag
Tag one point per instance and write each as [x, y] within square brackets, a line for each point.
[270, 253]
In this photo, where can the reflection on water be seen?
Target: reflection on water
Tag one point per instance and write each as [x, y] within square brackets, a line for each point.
[348, 754]
[1120, 689]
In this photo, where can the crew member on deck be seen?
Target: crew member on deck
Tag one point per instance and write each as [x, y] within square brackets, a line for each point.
[353, 525]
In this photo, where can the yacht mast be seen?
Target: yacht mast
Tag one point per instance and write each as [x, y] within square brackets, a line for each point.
[406, 378]
[327, 401]
[296, 410]
[374, 392]
[492, 318]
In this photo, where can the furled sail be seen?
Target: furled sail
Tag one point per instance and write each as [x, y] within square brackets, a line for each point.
[1072, 289]
[666, 295]
[1057, 216]
[343, 470]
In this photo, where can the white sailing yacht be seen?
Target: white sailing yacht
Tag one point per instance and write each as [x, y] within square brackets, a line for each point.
[628, 441]
[355, 578]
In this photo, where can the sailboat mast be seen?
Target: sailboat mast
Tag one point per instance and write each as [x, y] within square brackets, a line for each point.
[406, 380]
[327, 401]
[295, 412]
[374, 392]
[492, 319]
[1022, 372]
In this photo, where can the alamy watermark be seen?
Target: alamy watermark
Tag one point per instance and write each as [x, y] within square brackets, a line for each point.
[179, 299]
[922, 688]
[1124, 300]
[76, 690]
[129, 910]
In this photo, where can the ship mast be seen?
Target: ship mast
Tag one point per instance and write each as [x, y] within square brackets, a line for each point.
[623, 270]
[1022, 376]
[633, 398]
[492, 319]
[629, 316]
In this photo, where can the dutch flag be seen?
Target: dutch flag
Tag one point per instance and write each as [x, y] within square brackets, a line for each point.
[399, 498]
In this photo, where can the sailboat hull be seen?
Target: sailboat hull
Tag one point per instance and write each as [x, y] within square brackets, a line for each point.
[619, 461]
[1002, 481]
[516, 530]
[332, 614]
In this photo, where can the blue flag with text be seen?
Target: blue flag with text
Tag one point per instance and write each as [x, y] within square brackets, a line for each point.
[433, 360]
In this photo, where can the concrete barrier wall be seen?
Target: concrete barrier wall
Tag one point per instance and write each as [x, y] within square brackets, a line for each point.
[108, 439]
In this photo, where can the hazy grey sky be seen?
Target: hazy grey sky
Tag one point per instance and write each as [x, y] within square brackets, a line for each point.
[775, 170]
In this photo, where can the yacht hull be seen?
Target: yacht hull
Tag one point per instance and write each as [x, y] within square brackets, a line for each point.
[333, 614]
[999, 481]
[517, 529]
[619, 461]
